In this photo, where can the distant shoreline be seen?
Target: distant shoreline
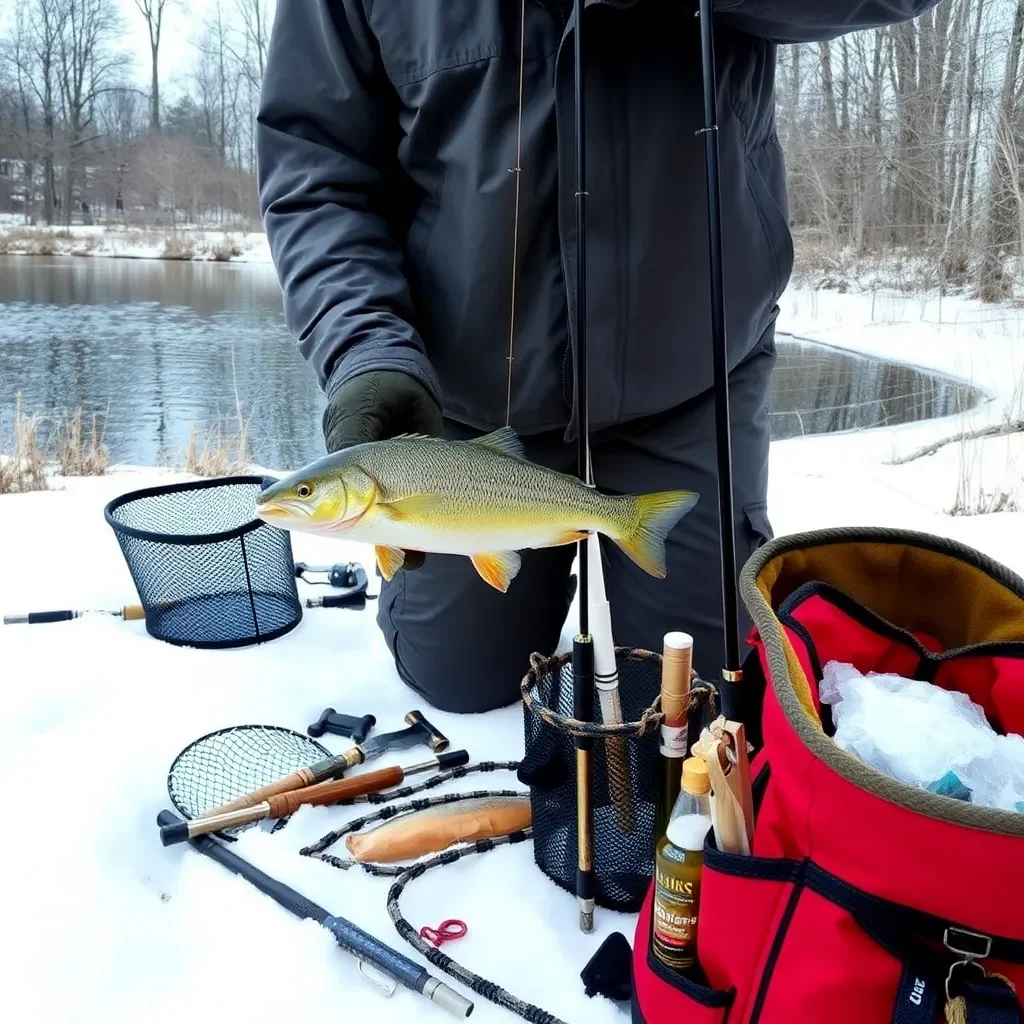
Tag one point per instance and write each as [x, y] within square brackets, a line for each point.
[189, 244]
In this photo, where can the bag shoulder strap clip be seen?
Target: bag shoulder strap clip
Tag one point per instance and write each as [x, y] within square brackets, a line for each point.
[972, 946]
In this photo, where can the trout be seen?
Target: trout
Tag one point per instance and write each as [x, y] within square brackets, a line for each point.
[481, 498]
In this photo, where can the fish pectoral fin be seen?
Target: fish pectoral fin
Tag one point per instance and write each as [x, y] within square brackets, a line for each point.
[498, 568]
[504, 439]
[410, 507]
[389, 560]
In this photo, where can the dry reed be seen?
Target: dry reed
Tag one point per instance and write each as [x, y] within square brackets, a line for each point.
[77, 455]
[218, 451]
[23, 468]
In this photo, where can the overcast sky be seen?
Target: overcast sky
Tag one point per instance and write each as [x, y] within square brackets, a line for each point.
[183, 23]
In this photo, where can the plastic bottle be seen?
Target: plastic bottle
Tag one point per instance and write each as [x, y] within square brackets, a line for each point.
[679, 863]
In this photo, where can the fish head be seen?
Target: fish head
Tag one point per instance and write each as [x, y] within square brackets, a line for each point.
[326, 495]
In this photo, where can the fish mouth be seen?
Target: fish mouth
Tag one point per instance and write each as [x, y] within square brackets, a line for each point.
[283, 508]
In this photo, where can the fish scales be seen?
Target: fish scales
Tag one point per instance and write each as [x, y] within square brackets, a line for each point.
[481, 498]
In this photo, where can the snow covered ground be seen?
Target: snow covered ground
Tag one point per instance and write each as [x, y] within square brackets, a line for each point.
[190, 243]
[107, 925]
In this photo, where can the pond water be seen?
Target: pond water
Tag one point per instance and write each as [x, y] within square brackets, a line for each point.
[154, 346]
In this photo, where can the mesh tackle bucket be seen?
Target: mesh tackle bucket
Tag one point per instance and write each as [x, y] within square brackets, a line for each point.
[624, 775]
[208, 573]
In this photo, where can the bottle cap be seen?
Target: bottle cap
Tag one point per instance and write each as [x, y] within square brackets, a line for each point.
[677, 641]
[695, 776]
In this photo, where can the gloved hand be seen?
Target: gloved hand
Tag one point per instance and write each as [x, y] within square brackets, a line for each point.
[377, 405]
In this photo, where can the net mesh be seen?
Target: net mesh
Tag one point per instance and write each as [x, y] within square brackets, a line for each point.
[232, 762]
[623, 780]
[206, 589]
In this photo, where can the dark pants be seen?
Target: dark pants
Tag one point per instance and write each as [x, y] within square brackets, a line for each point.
[465, 647]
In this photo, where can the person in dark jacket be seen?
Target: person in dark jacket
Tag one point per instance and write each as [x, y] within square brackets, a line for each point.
[386, 134]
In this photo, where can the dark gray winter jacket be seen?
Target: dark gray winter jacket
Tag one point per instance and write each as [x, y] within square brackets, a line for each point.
[386, 133]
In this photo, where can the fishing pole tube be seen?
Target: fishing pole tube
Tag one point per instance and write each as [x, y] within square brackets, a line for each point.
[731, 671]
[363, 946]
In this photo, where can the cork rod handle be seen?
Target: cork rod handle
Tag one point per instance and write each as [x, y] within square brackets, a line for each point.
[331, 792]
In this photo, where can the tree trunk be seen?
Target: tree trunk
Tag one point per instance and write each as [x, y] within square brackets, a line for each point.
[1000, 231]
[154, 94]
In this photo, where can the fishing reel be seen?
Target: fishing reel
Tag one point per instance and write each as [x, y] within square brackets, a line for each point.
[348, 578]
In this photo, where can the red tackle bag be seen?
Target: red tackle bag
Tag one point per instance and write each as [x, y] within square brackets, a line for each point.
[863, 897]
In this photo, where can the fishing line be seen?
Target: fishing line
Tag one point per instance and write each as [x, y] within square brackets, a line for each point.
[517, 170]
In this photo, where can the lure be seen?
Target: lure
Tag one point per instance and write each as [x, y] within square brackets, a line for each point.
[437, 828]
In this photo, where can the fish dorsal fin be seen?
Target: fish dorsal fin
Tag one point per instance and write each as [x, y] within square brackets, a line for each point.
[414, 437]
[504, 439]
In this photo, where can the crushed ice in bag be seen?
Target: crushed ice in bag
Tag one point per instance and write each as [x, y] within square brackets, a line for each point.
[919, 734]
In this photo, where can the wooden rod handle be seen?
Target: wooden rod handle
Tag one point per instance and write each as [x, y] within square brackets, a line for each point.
[331, 792]
[297, 780]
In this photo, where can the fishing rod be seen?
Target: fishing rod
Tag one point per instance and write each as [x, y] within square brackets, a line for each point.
[731, 671]
[583, 643]
[368, 950]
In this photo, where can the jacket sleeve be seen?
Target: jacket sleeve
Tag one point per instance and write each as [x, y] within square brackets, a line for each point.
[326, 134]
[808, 21]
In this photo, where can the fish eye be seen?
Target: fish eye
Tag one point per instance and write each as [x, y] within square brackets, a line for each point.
[304, 490]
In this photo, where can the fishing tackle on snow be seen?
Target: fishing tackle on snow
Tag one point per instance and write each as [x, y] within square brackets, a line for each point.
[368, 950]
[354, 728]
[348, 579]
[481, 498]
[284, 804]
[419, 731]
[216, 769]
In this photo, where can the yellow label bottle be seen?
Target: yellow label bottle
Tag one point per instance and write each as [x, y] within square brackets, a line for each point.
[679, 862]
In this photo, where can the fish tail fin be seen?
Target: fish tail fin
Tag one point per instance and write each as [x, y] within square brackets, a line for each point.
[654, 516]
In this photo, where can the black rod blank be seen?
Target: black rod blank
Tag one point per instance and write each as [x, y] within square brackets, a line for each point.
[718, 338]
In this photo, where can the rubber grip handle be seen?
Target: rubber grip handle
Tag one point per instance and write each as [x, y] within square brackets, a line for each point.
[63, 616]
[296, 780]
[277, 891]
[453, 759]
[332, 792]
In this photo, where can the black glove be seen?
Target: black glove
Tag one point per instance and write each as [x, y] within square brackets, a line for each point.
[376, 405]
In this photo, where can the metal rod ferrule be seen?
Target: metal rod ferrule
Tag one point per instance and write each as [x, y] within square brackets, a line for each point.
[447, 998]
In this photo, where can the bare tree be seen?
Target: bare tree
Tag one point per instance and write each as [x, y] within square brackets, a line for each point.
[88, 63]
[40, 27]
[1004, 176]
[153, 12]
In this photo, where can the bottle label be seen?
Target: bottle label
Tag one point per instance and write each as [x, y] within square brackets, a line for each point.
[676, 899]
[673, 741]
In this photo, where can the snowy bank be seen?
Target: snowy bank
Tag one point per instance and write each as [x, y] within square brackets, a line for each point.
[143, 928]
[187, 243]
[112, 926]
